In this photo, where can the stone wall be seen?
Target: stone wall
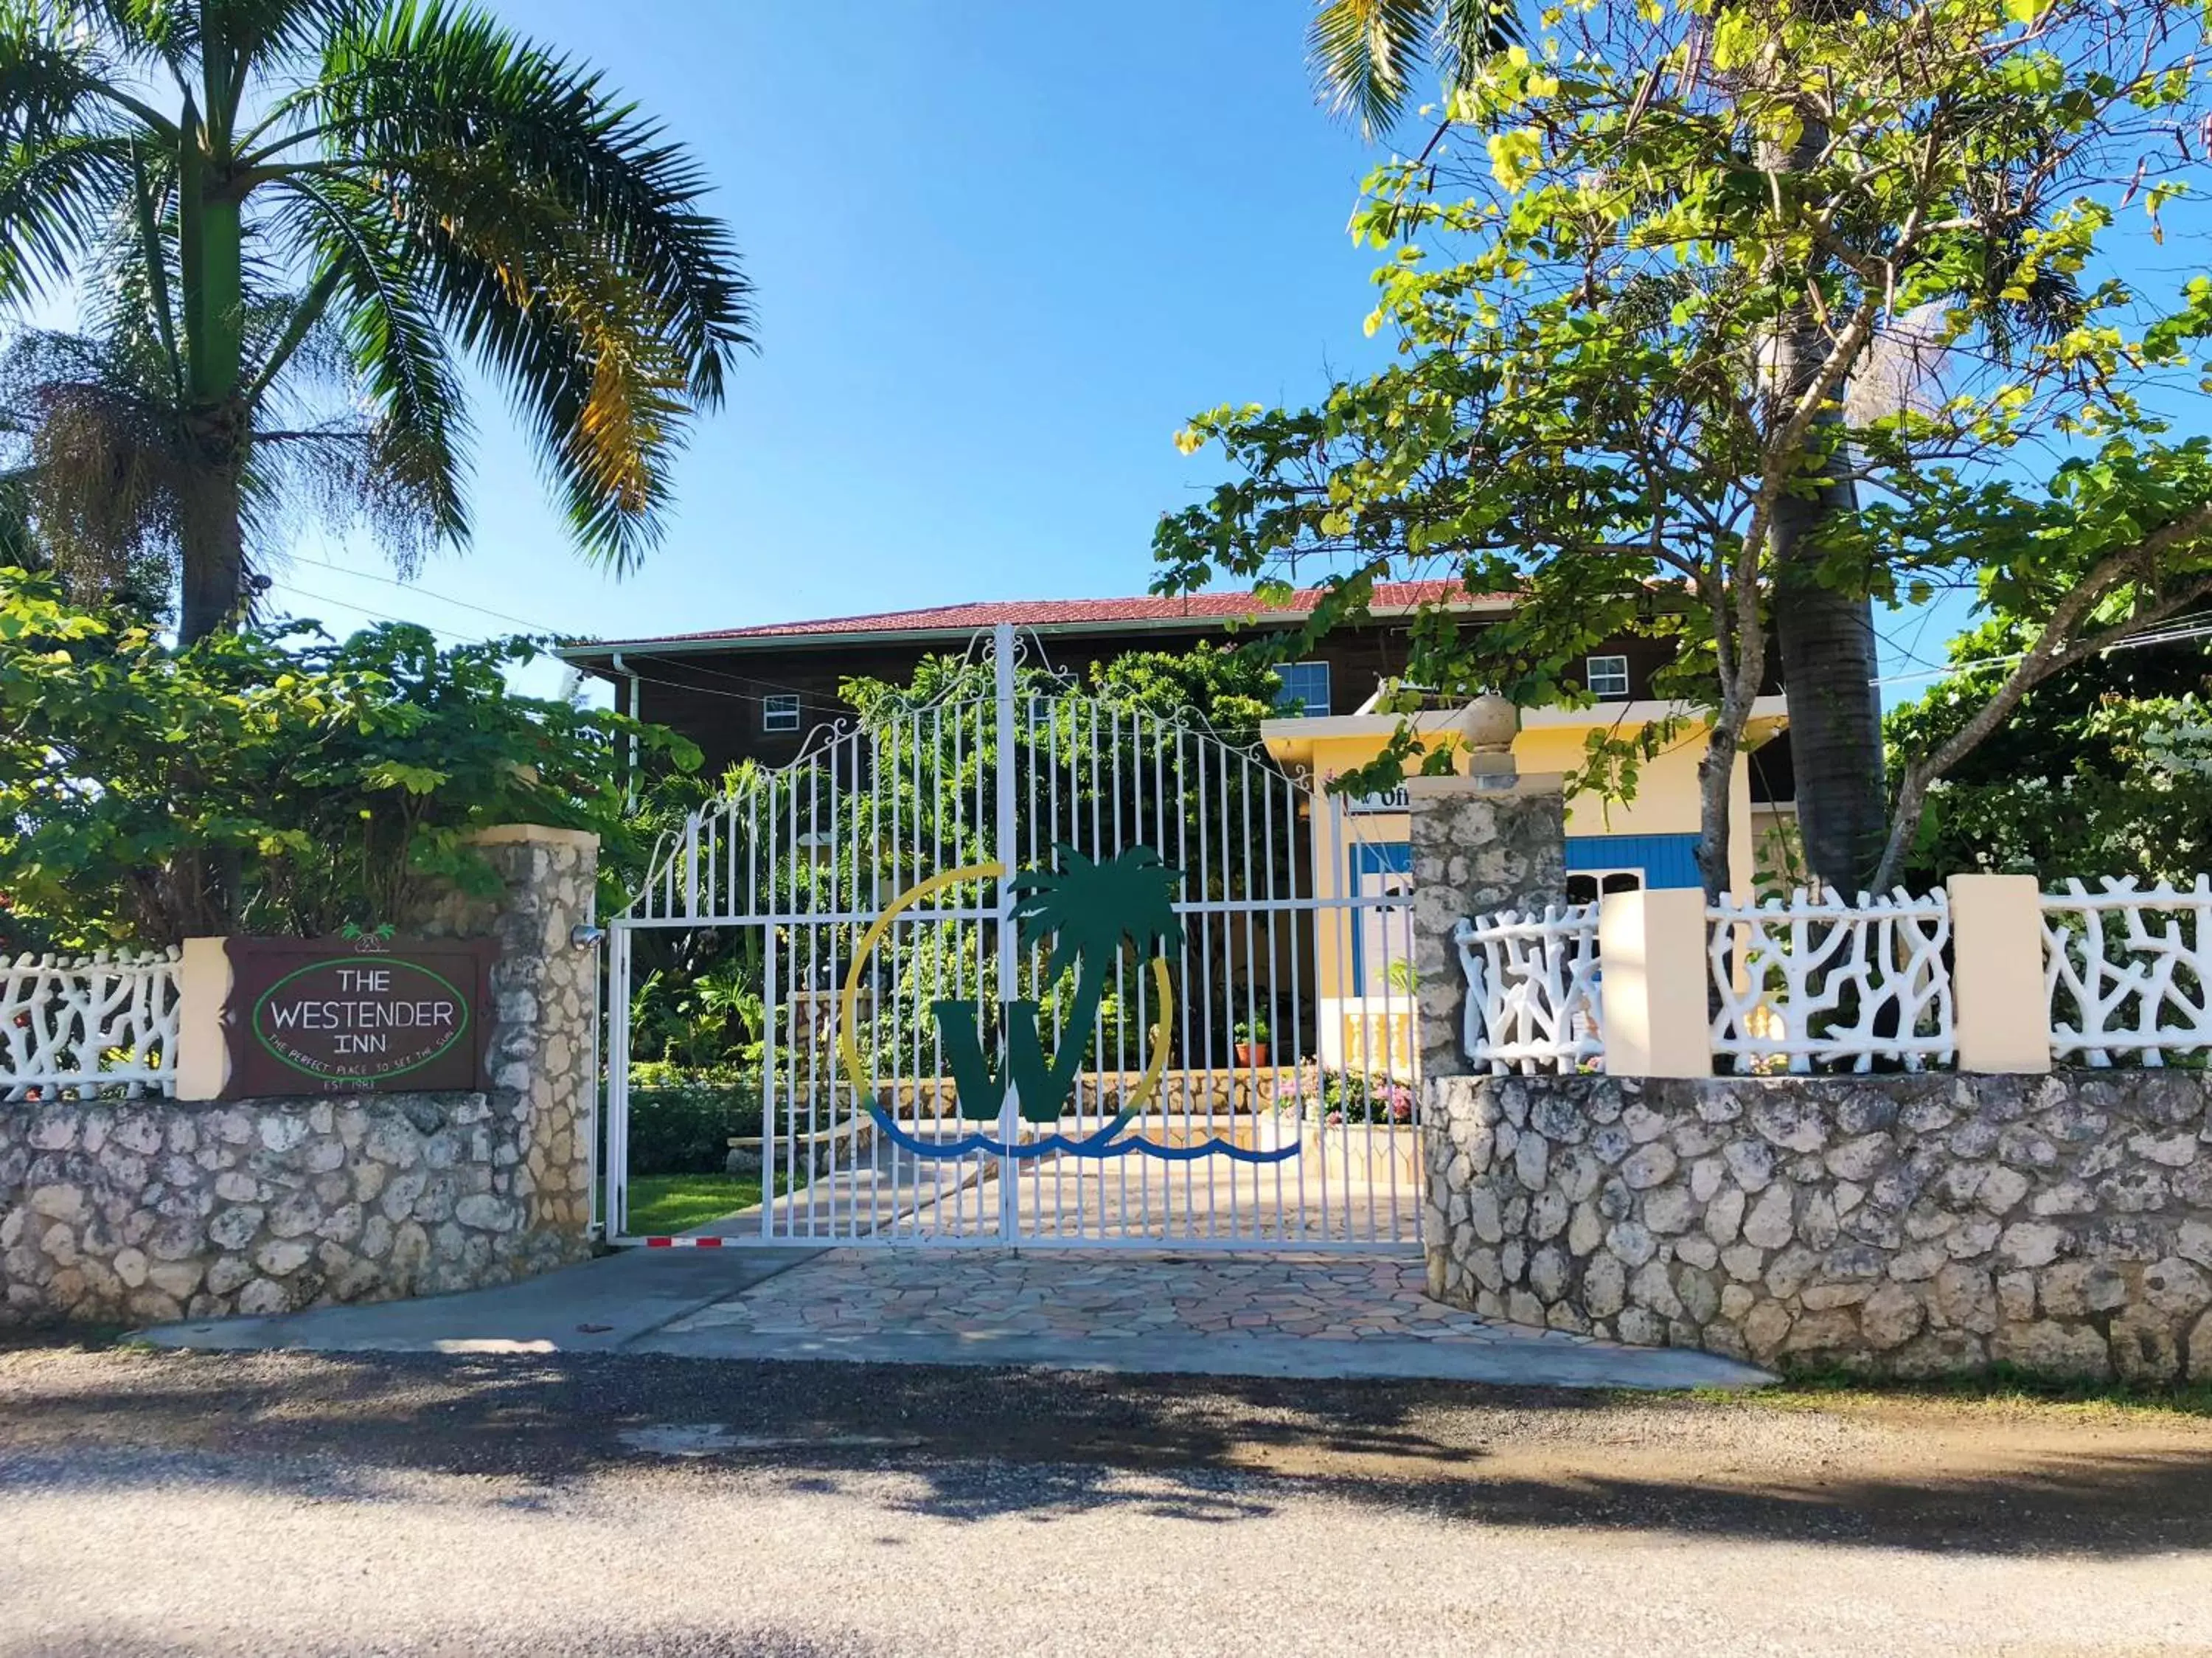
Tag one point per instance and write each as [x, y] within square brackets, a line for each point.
[543, 997]
[1906, 1225]
[142, 1211]
[146, 1210]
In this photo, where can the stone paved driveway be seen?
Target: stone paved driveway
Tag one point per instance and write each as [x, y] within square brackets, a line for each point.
[1136, 1311]
[1101, 1295]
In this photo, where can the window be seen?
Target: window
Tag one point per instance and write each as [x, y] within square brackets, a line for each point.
[779, 713]
[1606, 676]
[1587, 886]
[1305, 690]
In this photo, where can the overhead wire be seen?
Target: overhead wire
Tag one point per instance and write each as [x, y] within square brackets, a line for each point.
[386, 615]
[805, 701]
[808, 698]
[2168, 636]
[431, 593]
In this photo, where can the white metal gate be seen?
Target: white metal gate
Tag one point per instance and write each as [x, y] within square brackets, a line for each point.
[1186, 1125]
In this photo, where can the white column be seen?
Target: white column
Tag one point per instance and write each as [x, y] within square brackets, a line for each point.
[203, 990]
[1998, 997]
[1652, 947]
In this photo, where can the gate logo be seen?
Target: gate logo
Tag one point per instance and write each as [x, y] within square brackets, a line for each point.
[1090, 911]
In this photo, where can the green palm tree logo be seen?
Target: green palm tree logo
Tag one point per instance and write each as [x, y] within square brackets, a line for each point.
[1089, 911]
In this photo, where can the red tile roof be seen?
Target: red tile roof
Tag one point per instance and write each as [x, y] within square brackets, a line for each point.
[1069, 615]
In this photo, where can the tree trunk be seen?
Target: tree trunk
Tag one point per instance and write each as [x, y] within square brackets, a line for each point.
[218, 426]
[1825, 632]
[1716, 776]
[214, 549]
[1829, 663]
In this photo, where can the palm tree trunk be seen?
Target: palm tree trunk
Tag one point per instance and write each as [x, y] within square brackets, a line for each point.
[1825, 632]
[1059, 1077]
[218, 426]
[1829, 664]
[214, 552]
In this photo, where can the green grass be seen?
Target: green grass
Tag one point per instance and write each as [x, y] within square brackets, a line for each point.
[1999, 1388]
[663, 1203]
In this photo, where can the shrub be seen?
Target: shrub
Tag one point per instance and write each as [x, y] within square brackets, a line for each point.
[273, 780]
[681, 1122]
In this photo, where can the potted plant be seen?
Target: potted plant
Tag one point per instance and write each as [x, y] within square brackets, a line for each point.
[1252, 1042]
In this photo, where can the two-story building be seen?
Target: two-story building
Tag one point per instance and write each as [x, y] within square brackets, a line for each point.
[758, 693]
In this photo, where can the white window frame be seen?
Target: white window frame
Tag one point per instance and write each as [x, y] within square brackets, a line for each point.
[1599, 877]
[1614, 670]
[1286, 701]
[780, 713]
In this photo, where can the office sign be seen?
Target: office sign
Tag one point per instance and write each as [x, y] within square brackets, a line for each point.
[370, 1014]
[1387, 800]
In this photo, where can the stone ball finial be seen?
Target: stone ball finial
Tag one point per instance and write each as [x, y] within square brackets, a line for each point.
[1489, 723]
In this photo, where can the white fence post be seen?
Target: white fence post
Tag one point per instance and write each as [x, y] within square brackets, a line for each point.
[202, 988]
[1651, 948]
[1999, 998]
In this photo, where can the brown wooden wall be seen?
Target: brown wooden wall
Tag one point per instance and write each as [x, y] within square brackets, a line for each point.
[713, 697]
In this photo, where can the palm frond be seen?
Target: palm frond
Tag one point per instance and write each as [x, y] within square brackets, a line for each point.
[1468, 31]
[1365, 53]
[50, 81]
[1361, 53]
[394, 344]
[427, 83]
[584, 353]
[56, 198]
[153, 31]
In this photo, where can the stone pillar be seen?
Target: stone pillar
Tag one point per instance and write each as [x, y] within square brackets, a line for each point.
[545, 998]
[1475, 848]
[1479, 843]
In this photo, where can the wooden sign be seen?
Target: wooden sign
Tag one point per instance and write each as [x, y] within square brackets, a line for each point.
[331, 1015]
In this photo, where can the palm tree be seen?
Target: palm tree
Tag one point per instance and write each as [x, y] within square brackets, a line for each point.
[292, 218]
[1088, 910]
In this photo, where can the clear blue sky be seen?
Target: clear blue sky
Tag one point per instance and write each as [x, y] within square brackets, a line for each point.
[1001, 252]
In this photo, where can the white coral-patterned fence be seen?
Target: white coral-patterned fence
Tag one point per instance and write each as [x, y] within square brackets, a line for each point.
[2127, 970]
[1816, 984]
[89, 1025]
[1532, 999]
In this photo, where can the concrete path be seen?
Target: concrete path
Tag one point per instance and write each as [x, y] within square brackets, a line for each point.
[1137, 1313]
[604, 1306]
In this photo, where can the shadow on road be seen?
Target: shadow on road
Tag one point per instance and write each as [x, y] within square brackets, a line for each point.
[972, 1444]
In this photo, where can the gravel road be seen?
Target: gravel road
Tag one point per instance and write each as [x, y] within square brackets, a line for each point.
[613, 1506]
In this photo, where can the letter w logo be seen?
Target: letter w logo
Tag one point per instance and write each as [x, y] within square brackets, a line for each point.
[1044, 1089]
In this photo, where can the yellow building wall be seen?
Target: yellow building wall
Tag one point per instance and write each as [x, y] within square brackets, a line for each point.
[1667, 802]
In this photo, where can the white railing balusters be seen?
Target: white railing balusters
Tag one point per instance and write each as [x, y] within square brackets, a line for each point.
[1816, 982]
[2146, 991]
[78, 1026]
[1532, 993]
